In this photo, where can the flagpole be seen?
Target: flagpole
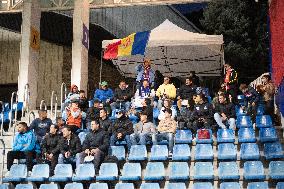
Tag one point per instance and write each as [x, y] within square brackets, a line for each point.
[101, 67]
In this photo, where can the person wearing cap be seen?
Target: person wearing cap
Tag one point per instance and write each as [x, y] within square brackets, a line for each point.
[165, 91]
[104, 94]
[166, 130]
[145, 72]
[122, 97]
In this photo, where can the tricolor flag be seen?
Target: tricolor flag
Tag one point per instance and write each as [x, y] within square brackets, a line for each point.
[130, 45]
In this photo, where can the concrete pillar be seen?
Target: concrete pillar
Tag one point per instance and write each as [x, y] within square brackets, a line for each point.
[80, 45]
[29, 50]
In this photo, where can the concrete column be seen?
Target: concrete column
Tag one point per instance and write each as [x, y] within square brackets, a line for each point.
[29, 50]
[80, 45]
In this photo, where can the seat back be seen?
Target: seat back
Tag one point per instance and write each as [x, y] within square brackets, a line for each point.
[118, 151]
[231, 185]
[246, 134]
[74, 185]
[263, 121]
[6, 186]
[82, 136]
[48, 186]
[253, 167]
[18, 170]
[98, 186]
[225, 135]
[108, 169]
[203, 185]
[244, 121]
[273, 150]
[267, 134]
[260, 110]
[258, 185]
[86, 170]
[177, 185]
[63, 170]
[201, 168]
[155, 168]
[124, 186]
[280, 185]
[131, 169]
[159, 150]
[138, 150]
[276, 168]
[150, 186]
[40, 170]
[228, 169]
[183, 136]
[181, 150]
[24, 186]
[249, 148]
[179, 169]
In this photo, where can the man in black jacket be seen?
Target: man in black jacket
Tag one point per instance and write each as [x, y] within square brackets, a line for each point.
[186, 92]
[105, 122]
[70, 148]
[93, 113]
[122, 97]
[96, 144]
[225, 113]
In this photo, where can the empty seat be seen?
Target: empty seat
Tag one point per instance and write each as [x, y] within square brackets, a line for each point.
[74, 185]
[253, 170]
[150, 186]
[137, 153]
[119, 152]
[280, 185]
[249, 151]
[227, 151]
[4, 186]
[240, 111]
[177, 185]
[98, 186]
[40, 173]
[48, 186]
[131, 171]
[243, 121]
[85, 172]
[24, 186]
[230, 185]
[228, 171]
[183, 137]
[18, 173]
[268, 134]
[203, 171]
[154, 171]
[263, 121]
[108, 171]
[257, 185]
[204, 141]
[225, 135]
[203, 185]
[124, 186]
[273, 150]
[181, 152]
[203, 152]
[276, 170]
[246, 135]
[62, 173]
[260, 110]
[159, 153]
[179, 171]
[82, 136]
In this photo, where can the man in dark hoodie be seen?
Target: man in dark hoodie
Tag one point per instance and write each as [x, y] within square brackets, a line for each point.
[122, 97]
[121, 129]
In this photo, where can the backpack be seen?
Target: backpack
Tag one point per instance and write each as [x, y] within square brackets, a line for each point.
[203, 134]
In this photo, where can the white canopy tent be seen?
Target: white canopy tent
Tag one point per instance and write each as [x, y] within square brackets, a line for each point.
[175, 52]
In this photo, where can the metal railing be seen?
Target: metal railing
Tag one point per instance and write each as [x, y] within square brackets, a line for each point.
[2, 121]
[257, 81]
[53, 98]
[33, 114]
[42, 102]
[14, 94]
[26, 100]
[3, 160]
[63, 95]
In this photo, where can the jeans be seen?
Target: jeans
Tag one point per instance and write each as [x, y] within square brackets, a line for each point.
[141, 138]
[114, 139]
[164, 136]
[28, 155]
[72, 159]
[121, 105]
[231, 122]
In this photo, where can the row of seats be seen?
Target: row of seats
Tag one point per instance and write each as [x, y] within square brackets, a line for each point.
[262, 121]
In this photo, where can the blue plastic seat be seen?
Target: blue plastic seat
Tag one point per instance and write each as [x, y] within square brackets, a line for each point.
[137, 153]
[17, 173]
[276, 170]
[204, 141]
[183, 137]
[257, 185]
[273, 150]
[181, 152]
[159, 153]
[253, 170]
[82, 136]
[74, 185]
[108, 171]
[4, 186]
[203, 152]
[260, 110]
[156, 113]
[124, 186]
[241, 99]
[249, 151]
[246, 135]
[176, 185]
[243, 121]
[203, 185]
[24, 186]
[225, 135]
[131, 171]
[154, 171]
[268, 134]
[150, 186]
[280, 185]
[62, 173]
[98, 186]
[119, 152]
[227, 151]
[40, 173]
[203, 171]
[85, 172]
[240, 111]
[230, 185]
[179, 171]
[263, 121]
[228, 171]
[48, 186]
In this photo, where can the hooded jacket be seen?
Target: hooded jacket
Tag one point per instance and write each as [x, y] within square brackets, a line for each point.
[97, 139]
[103, 95]
[25, 141]
[122, 125]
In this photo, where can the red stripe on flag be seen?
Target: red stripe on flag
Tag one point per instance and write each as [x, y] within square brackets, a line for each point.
[112, 50]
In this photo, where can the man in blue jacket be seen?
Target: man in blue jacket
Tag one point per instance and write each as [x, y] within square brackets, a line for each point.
[23, 147]
[104, 94]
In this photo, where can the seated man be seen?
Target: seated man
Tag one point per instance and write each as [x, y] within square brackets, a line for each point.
[105, 122]
[41, 125]
[183, 116]
[70, 148]
[143, 130]
[144, 91]
[186, 92]
[24, 147]
[166, 130]
[104, 94]
[121, 129]
[83, 101]
[122, 97]
[167, 104]
[165, 91]
[96, 144]
[225, 113]
[93, 113]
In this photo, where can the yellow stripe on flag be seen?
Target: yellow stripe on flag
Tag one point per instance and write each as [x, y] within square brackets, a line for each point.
[125, 48]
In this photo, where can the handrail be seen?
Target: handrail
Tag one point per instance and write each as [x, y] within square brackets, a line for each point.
[14, 132]
[53, 97]
[11, 110]
[3, 158]
[42, 102]
[63, 94]
[2, 120]
[31, 113]
[258, 81]
[26, 99]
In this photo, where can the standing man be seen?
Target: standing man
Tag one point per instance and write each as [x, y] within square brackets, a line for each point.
[145, 72]
[122, 97]
[231, 82]
[165, 91]
[186, 92]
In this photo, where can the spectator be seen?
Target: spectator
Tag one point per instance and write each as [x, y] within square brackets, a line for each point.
[24, 147]
[148, 108]
[93, 112]
[60, 123]
[225, 113]
[231, 82]
[74, 116]
[96, 144]
[186, 92]
[83, 101]
[167, 104]
[215, 100]
[72, 95]
[143, 131]
[121, 129]
[144, 91]
[159, 79]
[165, 91]
[195, 78]
[122, 97]
[202, 114]
[268, 96]
[105, 122]
[70, 148]
[183, 116]
[104, 94]
[41, 125]
[144, 72]
[166, 130]
[50, 148]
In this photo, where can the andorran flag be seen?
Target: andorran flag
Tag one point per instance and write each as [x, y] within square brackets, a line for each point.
[131, 45]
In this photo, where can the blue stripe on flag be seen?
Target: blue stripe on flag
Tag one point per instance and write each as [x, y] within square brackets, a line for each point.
[140, 42]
